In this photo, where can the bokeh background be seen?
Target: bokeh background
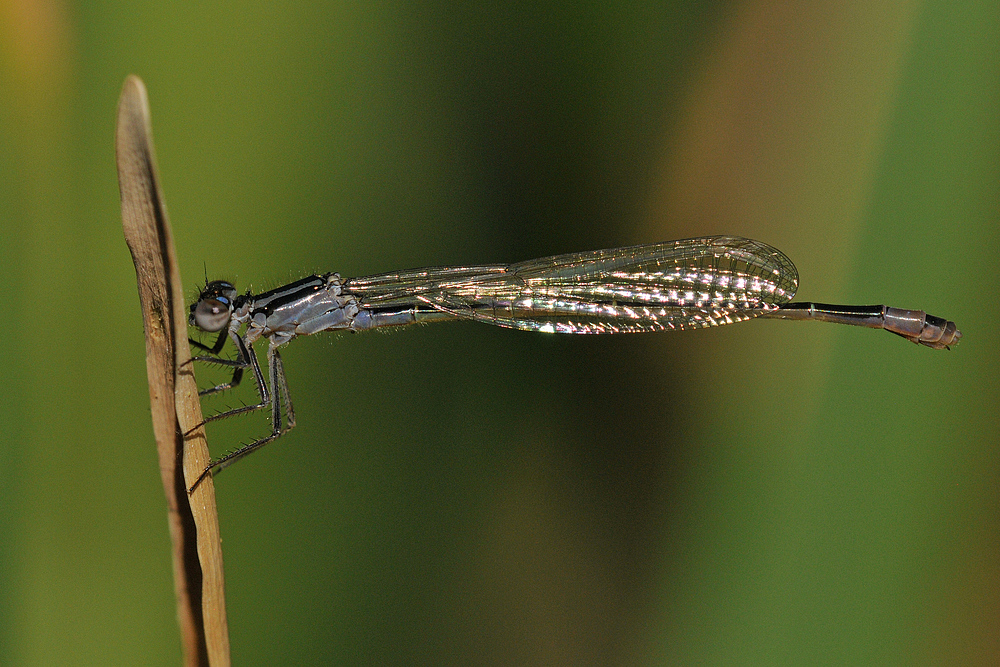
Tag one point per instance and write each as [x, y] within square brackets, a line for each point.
[767, 493]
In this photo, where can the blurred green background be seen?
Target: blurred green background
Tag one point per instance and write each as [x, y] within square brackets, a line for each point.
[767, 493]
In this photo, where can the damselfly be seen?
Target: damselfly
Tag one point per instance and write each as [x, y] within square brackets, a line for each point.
[688, 284]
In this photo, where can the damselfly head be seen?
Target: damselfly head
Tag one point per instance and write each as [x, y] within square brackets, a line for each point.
[214, 307]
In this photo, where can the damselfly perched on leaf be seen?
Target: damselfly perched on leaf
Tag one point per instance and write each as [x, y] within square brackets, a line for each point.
[687, 284]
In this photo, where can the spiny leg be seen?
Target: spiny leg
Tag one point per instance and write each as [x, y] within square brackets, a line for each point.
[215, 349]
[278, 383]
[238, 365]
[283, 388]
[247, 358]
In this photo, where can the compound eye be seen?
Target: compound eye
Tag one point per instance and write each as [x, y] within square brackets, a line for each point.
[212, 314]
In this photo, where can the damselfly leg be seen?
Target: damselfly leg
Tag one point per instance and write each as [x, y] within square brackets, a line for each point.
[236, 364]
[273, 394]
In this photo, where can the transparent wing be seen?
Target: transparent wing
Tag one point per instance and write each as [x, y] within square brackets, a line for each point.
[685, 284]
